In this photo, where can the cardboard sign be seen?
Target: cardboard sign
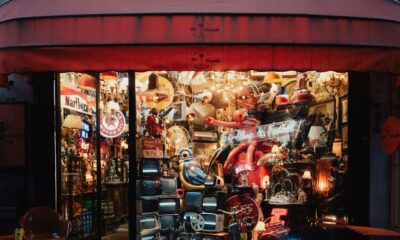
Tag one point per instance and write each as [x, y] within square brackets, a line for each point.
[149, 148]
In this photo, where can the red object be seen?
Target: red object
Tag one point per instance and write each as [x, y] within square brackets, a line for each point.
[4, 81]
[302, 95]
[256, 176]
[153, 127]
[302, 58]
[150, 147]
[110, 75]
[87, 82]
[245, 207]
[64, 36]
[388, 10]
[44, 223]
[276, 215]
[390, 135]
[281, 100]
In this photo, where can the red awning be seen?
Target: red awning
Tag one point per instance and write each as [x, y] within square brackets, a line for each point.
[369, 9]
[200, 58]
[63, 35]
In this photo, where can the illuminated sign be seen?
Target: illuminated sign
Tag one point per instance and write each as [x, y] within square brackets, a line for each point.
[75, 100]
[85, 130]
[276, 215]
[112, 125]
[282, 132]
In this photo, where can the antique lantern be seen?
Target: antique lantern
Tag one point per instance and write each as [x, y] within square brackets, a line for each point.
[322, 175]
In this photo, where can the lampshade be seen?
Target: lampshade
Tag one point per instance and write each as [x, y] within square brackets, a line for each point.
[337, 147]
[316, 137]
[307, 175]
[272, 77]
[322, 176]
[265, 182]
[87, 82]
[108, 76]
[72, 121]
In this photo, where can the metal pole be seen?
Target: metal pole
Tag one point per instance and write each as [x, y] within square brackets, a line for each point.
[98, 161]
[57, 137]
[132, 156]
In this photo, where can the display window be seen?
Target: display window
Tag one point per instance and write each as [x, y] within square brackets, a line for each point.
[245, 155]
[218, 154]
[94, 161]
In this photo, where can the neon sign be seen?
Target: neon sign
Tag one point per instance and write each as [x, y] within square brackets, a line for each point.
[276, 215]
[283, 132]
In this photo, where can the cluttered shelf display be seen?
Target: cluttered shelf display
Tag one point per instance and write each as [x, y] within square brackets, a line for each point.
[78, 150]
[228, 154]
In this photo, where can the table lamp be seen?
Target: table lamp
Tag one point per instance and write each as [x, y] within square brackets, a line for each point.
[72, 121]
[316, 136]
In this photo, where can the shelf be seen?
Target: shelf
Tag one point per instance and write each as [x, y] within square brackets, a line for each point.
[116, 183]
[299, 162]
[71, 195]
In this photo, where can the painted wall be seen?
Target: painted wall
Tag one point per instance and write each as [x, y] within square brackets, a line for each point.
[380, 180]
[22, 90]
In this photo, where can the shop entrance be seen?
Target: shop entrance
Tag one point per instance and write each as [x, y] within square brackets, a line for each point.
[93, 153]
[217, 154]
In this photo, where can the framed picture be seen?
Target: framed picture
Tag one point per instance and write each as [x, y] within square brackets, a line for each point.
[327, 108]
[179, 111]
[12, 134]
[344, 106]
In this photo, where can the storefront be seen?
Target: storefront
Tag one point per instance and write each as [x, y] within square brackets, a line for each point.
[189, 122]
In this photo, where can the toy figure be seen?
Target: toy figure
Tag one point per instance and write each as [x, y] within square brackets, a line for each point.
[153, 124]
[241, 121]
[302, 94]
[301, 196]
[192, 175]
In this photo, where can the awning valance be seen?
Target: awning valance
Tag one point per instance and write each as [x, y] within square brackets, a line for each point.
[61, 35]
[200, 58]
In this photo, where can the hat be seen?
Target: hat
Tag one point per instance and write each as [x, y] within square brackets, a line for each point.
[272, 77]
[111, 75]
[87, 82]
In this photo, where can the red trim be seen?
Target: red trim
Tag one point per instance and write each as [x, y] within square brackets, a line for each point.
[200, 58]
[69, 91]
[377, 9]
[134, 30]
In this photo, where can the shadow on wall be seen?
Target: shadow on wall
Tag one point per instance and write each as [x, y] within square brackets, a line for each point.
[21, 91]
[13, 180]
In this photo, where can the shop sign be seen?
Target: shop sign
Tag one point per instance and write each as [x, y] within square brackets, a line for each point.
[285, 131]
[149, 147]
[276, 215]
[74, 100]
[282, 132]
[112, 125]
